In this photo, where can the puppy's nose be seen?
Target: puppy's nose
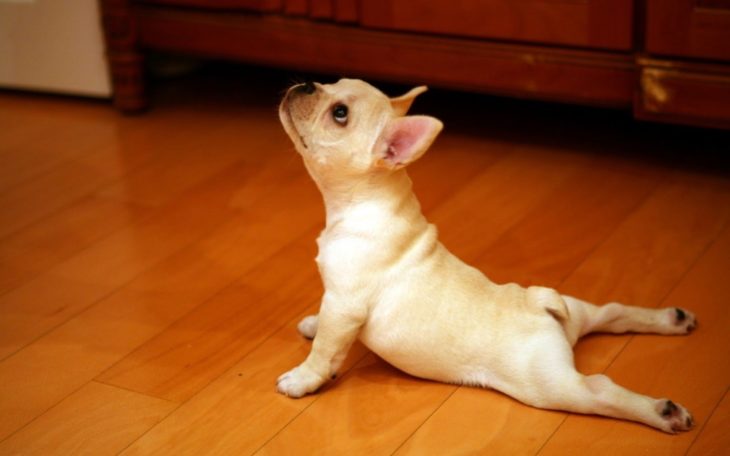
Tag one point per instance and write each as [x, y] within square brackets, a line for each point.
[307, 88]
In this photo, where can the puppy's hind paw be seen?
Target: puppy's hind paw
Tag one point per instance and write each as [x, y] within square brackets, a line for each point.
[298, 382]
[674, 417]
[683, 321]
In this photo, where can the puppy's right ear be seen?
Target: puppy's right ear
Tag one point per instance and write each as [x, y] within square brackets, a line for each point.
[403, 103]
[405, 139]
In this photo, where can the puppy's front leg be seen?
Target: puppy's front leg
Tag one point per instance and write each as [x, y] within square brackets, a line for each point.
[338, 324]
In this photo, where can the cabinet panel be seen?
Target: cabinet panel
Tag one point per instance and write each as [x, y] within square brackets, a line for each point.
[296, 7]
[255, 5]
[689, 28]
[604, 24]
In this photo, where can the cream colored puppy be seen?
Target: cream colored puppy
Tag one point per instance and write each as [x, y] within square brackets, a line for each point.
[390, 282]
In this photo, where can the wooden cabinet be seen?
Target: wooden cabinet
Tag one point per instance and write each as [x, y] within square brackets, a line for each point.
[669, 59]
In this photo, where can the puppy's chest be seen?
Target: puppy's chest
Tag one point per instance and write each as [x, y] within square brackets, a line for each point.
[340, 255]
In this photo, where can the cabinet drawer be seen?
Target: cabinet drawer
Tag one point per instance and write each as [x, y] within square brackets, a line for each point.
[251, 5]
[689, 28]
[603, 24]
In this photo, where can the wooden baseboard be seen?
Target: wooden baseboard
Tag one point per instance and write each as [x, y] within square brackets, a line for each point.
[686, 93]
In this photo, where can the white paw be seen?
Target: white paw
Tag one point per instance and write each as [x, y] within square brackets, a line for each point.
[674, 417]
[308, 326]
[681, 321]
[298, 382]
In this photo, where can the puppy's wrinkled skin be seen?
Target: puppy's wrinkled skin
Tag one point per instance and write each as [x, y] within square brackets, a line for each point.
[390, 282]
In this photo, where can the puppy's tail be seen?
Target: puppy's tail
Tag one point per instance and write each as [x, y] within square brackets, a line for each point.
[550, 300]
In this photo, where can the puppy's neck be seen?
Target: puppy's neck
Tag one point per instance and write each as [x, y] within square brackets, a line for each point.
[384, 192]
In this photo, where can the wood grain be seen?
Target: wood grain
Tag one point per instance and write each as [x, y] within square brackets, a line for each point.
[96, 419]
[714, 439]
[240, 411]
[34, 250]
[96, 338]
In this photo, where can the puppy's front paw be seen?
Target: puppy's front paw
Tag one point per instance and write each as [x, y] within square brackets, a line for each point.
[682, 321]
[674, 417]
[298, 382]
[308, 326]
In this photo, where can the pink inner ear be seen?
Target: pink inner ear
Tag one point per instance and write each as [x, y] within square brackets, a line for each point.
[404, 137]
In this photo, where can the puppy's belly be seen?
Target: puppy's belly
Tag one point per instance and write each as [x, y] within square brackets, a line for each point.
[440, 335]
[436, 353]
[445, 321]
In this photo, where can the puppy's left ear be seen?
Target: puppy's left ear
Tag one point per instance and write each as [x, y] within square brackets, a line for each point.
[405, 139]
[403, 103]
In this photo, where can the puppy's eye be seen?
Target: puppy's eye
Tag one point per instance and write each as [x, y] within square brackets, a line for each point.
[339, 113]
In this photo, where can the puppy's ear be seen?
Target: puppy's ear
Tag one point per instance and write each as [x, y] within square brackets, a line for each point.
[403, 103]
[405, 139]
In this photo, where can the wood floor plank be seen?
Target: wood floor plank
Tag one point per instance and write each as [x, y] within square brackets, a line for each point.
[651, 252]
[475, 421]
[33, 199]
[241, 410]
[36, 138]
[46, 243]
[674, 367]
[569, 223]
[182, 164]
[199, 347]
[78, 282]
[111, 150]
[97, 419]
[452, 159]
[373, 409]
[714, 439]
[639, 263]
[489, 208]
[83, 347]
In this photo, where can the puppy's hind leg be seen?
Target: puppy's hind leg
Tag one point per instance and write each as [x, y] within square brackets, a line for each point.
[618, 318]
[598, 395]
[555, 384]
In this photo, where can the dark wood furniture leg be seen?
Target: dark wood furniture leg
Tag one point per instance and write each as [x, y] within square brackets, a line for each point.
[126, 63]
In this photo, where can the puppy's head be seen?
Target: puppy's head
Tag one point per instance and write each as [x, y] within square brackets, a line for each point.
[351, 128]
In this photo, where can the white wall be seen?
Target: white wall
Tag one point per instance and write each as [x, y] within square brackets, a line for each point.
[53, 45]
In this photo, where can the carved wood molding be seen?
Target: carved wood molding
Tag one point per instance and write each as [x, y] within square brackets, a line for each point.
[125, 61]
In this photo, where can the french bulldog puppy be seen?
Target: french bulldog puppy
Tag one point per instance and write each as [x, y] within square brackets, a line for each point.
[390, 282]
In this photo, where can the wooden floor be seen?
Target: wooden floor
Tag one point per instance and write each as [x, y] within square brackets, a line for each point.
[153, 270]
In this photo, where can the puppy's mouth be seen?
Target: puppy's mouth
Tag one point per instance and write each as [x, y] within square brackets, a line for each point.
[298, 104]
[293, 125]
